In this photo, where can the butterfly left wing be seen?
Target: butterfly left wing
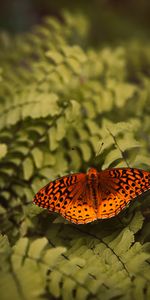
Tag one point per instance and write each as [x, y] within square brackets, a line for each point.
[117, 187]
[67, 196]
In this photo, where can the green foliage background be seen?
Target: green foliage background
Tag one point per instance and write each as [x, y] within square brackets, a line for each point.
[58, 93]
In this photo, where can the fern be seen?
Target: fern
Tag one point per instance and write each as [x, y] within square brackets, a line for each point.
[57, 95]
[85, 265]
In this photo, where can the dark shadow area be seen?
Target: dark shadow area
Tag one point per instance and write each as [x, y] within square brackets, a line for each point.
[110, 21]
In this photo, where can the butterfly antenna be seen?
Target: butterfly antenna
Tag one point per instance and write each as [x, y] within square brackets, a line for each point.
[74, 148]
[99, 148]
[116, 143]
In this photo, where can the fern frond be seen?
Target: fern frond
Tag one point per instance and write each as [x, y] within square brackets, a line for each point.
[57, 95]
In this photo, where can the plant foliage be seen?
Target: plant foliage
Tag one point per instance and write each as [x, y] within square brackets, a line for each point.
[57, 94]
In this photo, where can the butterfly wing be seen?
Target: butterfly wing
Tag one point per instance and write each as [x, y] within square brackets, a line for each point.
[67, 196]
[117, 187]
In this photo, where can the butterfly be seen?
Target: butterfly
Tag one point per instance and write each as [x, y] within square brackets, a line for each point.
[84, 197]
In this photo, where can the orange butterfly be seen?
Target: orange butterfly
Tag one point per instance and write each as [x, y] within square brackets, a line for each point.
[84, 197]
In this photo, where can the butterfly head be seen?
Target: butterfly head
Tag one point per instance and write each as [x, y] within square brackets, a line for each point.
[92, 173]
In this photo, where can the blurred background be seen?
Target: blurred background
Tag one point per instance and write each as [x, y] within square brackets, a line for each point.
[110, 20]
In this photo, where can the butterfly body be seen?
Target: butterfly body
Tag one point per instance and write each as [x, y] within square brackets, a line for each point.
[92, 187]
[84, 197]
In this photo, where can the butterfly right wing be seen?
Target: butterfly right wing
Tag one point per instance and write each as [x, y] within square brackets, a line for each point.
[119, 186]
